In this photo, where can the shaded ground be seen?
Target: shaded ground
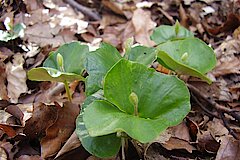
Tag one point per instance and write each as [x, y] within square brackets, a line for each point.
[31, 117]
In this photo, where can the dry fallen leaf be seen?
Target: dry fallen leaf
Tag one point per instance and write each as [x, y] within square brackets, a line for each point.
[143, 25]
[60, 131]
[114, 6]
[217, 129]
[3, 91]
[72, 143]
[229, 149]
[8, 130]
[175, 143]
[16, 78]
[27, 157]
[181, 131]
[43, 116]
[3, 154]
[228, 61]
[207, 143]
[9, 149]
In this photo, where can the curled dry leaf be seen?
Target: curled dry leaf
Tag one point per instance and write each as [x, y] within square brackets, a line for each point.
[21, 111]
[60, 131]
[143, 25]
[16, 78]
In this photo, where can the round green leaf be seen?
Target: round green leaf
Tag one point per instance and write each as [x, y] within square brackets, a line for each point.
[74, 55]
[163, 101]
[142, 54]
[188, 56]
[98, 63]
[165, 33]
[152, 88]
[50, 74]
[101, 146]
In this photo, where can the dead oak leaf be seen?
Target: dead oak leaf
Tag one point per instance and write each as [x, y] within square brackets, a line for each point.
[143, 25]
[60, 131]
[43, 116]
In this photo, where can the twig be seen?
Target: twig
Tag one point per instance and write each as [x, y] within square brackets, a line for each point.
[203, 107]
[170, 18]
[56, 90]
[228, 127]
[88, 12]
[217, 106]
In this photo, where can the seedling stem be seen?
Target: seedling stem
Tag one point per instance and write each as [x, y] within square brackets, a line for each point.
[67, 91]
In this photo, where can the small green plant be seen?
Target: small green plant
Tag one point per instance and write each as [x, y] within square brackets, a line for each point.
[179, 51]
[125, 98]
[12, 31]
[139, 102]
[64, 65]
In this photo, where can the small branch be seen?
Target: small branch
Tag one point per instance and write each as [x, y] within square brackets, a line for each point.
[228, 127]
[217, 106]
[86, 11]
[56, 90]
[203, 107]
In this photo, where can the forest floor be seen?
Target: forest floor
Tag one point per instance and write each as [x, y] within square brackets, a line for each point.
[32, 121]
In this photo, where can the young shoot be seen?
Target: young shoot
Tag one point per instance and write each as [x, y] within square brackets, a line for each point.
[184, 57]
[134, 100]
[60, 62]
